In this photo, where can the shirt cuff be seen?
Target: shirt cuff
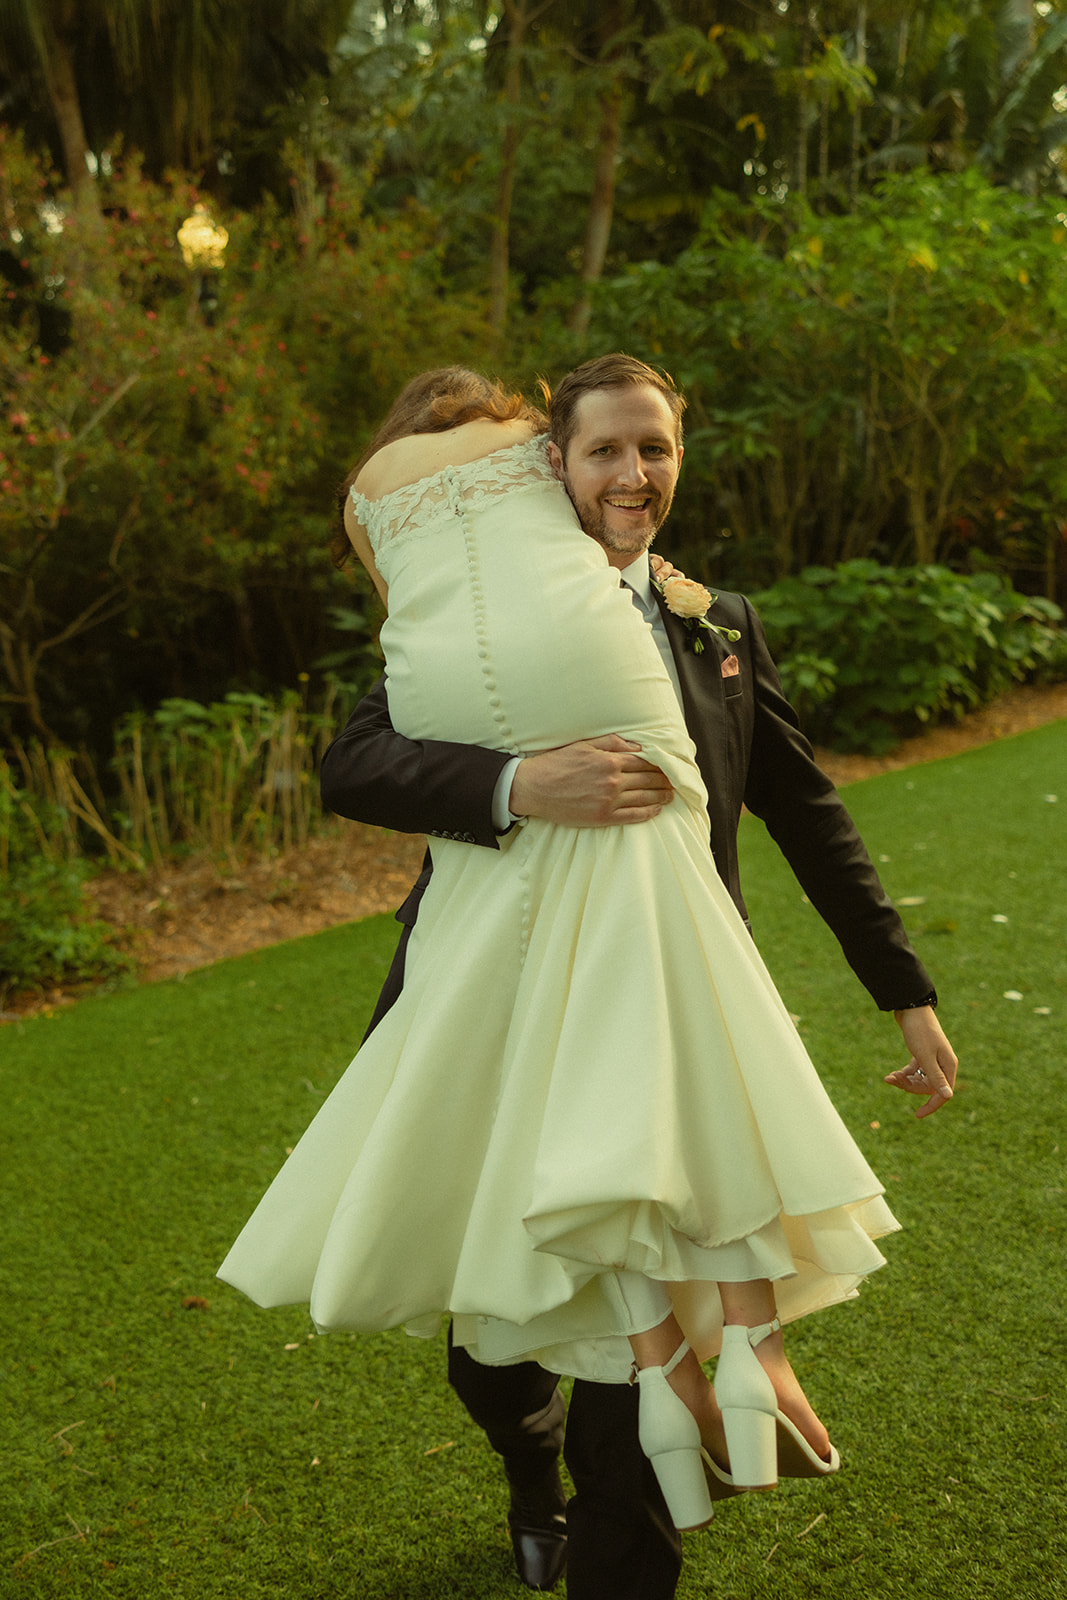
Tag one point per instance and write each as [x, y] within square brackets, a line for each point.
[915, 1005]
[503, 817]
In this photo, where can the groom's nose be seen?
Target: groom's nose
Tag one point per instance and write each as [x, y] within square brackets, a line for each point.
[630, 473]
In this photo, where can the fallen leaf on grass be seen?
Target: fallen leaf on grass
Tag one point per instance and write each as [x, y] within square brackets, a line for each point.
[195, 1302]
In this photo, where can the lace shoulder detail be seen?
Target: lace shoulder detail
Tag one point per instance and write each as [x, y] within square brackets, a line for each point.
[418, 508]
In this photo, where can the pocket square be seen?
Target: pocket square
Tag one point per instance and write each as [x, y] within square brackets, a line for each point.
[731, 667]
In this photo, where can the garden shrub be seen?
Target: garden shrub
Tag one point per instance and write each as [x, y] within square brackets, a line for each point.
[877, 383]
[225, 778]
[46, 934]
[870, 653]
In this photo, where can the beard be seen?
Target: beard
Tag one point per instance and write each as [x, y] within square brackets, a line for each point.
[593, 517]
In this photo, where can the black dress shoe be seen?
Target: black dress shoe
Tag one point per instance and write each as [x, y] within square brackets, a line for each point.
[537, 1520]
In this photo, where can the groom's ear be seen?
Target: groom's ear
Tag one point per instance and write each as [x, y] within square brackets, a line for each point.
[555, 459]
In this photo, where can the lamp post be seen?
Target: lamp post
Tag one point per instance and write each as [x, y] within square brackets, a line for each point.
[203, 246]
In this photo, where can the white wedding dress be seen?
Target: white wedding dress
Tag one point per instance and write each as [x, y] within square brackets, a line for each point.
[589, 1068]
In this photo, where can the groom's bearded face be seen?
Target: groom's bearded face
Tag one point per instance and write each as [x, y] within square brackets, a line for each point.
[621, 468]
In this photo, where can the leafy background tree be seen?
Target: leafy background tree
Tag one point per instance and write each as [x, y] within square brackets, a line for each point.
[841, 226]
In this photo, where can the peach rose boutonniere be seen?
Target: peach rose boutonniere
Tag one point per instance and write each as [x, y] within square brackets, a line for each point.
[691, 601]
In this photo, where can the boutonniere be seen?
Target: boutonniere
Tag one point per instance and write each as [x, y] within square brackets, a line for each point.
[691, 601]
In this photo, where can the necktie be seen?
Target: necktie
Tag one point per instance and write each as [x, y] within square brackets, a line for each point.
[654, 618]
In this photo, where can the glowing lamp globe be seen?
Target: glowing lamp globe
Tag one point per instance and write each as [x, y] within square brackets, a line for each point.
[203, 242]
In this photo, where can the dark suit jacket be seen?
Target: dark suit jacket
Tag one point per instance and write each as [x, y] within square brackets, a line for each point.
[750, 752]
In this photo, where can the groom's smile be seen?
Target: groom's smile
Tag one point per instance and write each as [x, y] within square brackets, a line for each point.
[621, 467]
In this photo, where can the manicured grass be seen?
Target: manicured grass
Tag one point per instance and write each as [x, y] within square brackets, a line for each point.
[155, 1449]
[944, 1382]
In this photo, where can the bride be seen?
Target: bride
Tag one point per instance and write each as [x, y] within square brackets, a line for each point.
[587, 1130]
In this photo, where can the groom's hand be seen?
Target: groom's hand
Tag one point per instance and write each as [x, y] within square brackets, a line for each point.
[931, 1072]
[596, 783]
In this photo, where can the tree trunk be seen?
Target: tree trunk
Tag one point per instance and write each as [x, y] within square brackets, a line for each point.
[861, 61]
[800, 166]
[601, 205]
[1021, 13]
[58, 65]
[898, 84]
[309, 203]
[499, 256]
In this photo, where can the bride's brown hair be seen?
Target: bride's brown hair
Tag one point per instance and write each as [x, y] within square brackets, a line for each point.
[434, 402]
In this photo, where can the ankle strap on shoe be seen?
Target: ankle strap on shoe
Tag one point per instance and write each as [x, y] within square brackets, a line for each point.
[757, 1335]
[667, 1367]
[682, 1350]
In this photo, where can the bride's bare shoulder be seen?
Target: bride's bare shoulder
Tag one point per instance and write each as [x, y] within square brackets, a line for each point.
[420, 454]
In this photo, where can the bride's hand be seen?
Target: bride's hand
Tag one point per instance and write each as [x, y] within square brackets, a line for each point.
[595, 783]
[662, 569]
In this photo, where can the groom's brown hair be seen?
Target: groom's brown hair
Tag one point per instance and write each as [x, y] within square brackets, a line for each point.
[615, 371]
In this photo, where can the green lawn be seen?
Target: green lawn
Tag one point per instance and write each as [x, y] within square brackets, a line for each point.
[152, 1447]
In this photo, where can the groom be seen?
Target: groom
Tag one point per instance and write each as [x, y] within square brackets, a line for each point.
[616, 447]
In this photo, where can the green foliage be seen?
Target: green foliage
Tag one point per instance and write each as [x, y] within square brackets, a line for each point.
[167, 476]
[870, 364]
[989, 93]
[876, 384]
[46, 935]
[898, 648]
[223, 779]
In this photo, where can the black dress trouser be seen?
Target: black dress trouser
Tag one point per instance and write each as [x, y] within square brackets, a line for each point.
[620, 1539]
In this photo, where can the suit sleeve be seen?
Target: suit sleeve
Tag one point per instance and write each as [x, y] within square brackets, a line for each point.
[809, 822]
[371, 773]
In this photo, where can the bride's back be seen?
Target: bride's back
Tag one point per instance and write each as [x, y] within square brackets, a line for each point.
[419, 455]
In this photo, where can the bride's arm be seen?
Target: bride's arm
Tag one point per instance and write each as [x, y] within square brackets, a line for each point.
[358, 539]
